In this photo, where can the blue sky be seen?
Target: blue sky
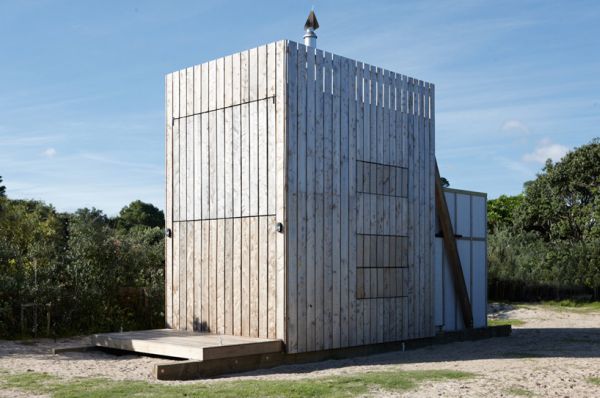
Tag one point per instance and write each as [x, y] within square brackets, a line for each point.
[81, 97]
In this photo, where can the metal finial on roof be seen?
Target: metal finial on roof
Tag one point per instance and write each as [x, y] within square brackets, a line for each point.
[310, 38]
[311, 21]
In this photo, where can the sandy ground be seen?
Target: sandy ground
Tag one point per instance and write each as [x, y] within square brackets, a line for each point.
[552, 354]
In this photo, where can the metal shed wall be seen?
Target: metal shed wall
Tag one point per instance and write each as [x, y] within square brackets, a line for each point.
[468, 213]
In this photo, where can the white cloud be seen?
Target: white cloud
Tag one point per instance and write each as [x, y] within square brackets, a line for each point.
[515, 166]
[546, 150]
[515, 125]
[50, 152]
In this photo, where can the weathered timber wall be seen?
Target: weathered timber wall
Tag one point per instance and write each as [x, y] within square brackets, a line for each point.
[360, 204]
[224, 143]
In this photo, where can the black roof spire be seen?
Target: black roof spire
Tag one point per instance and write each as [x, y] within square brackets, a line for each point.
[311, 21]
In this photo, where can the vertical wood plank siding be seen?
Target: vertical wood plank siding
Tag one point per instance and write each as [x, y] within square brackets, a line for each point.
[338, 151]
[169, 200]
[224, 137]
[360, 222]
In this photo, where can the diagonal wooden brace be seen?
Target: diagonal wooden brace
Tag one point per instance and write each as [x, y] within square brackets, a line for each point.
[449, 238]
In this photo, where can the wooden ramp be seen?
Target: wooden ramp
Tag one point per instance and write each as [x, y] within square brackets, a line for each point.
[186, 345]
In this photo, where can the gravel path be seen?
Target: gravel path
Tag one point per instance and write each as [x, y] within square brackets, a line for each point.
[552, 354]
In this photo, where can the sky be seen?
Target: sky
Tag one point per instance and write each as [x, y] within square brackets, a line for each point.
[82, 83]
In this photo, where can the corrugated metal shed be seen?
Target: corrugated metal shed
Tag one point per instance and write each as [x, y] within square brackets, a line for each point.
[468, 213]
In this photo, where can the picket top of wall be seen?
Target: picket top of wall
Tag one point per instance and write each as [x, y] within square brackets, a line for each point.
[395, 86]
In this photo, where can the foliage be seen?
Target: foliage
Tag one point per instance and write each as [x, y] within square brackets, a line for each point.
[140, 213]
[445, 182]
[501, 211]
[573, 305]
[594, 380]
[549, 237]
[75, 267]
[563, 202]
[502, 322]
[32, 237]
[2, 189]
[352, 385]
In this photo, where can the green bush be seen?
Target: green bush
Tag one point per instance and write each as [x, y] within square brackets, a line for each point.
[80, 268]
[548, 238]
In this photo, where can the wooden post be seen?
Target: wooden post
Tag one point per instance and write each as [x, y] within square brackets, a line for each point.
[452, 251]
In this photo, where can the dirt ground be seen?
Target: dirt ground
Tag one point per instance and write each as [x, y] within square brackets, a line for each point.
[553, 353]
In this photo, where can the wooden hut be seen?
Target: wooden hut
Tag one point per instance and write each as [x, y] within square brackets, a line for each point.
[300, 195]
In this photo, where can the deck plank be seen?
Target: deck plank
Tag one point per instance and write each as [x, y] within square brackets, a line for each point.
[185, 344]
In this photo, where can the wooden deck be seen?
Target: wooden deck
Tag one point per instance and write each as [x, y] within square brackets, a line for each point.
[187, 345]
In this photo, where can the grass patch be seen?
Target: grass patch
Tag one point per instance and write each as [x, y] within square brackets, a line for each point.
[502, 322]
[519, 392]
[594, 380]
[583, 306]
[29, 381]
[338, 386]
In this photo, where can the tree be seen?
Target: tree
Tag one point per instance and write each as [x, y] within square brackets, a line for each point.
[501, 211]
[2, 189]
[76, 265]
[445, 182]
[562, 206]
[140, 213]
[563, 202]
[32, 241]
[550, 235]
